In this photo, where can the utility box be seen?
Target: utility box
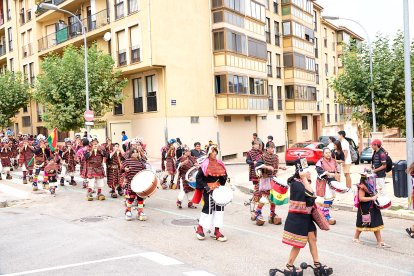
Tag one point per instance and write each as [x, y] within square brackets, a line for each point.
[399, 178]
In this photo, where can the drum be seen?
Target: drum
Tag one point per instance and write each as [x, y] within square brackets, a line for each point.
[281, 182]
[144, 183]
[191, 175]
[338, 186]
[258, 171]
[383, 202]
[222, 195]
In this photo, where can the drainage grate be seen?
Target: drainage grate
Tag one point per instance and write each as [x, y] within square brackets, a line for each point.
[184, 222]
[94, 218]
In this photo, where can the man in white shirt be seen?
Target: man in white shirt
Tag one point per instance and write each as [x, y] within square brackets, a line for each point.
[348, 160]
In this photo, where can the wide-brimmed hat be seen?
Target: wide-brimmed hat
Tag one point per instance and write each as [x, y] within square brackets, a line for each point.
[301, 165]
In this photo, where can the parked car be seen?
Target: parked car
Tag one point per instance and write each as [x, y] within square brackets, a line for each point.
[325, 141]
[366, 155]
[312, 151]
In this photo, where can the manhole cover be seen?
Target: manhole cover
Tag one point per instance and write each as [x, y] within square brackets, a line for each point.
[184, 222]
[93, 218]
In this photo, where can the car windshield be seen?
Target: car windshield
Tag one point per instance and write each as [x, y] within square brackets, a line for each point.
[304, 145]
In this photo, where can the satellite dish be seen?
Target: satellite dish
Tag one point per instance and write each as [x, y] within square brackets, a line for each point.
[107, 36]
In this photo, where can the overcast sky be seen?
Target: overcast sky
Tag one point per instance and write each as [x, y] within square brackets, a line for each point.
[385, 16]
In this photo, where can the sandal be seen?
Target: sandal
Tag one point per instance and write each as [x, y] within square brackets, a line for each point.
[292, 271]
[358, 241]
[410, 232]
[322, 270]
[383, 245]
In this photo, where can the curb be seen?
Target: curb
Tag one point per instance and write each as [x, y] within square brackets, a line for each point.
[385, 213]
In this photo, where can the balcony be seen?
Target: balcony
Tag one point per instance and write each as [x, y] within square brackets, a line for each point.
[91, 23]
[301, 107]
[241, 104]
[27, 50]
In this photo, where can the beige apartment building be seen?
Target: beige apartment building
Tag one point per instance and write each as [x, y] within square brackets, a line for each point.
[197, 69]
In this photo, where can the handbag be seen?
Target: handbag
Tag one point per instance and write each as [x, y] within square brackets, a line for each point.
[366, 218]
[319, 218]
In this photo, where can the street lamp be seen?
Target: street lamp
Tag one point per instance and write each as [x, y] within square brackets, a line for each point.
[47, 6]
[374, 120]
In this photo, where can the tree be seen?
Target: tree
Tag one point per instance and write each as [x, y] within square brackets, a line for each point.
[61, 86]
[14, 94]
[354, 85]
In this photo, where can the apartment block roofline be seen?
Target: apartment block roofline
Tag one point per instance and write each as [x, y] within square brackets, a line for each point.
[317, 6]
[329, 24]
[351, 33]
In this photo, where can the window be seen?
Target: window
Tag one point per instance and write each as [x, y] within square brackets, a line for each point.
[325, 39]
[39, 111]
[336, 113]
[11, 63]
[270, 92]
[304, 122]
[119, 9]
[269, 64]
[217, 3]
[237, 84]
[278, 117]
[8, 10]
[317, 73]
[257, 86]
[236, 5]
[195, 119]
[286, 28]
[26, 121]
[25, 109]
[118, 109]
[22, 16]
[315, 21]
[236, 42]
[135, 40]
[74, 28]
[220, 84]
[32, 74]
[257, 48]
[288, 60]
[257, 11]
[138, 98]
[328, 115]
[132, 6]
[267, 30]
[233, 18]
[280, 149]
[334, 65]
[122, 48]
[279, 98]
[276, 6]
[264, 118]
[247, 118]
[327, 92]
[217, 16]
[218, 41]
[151, 85]
[227, 119]
[300, 92]
[62, 135]
[278, 67]
[25, 75]
[277, 34]
[289, 92]
[316, 48]
[10, 36]
[333, 41]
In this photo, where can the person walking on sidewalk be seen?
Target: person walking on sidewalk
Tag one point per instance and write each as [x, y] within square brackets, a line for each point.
[348, 161]
[379, 165]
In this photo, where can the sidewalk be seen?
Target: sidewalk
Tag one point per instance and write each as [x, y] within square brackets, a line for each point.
[239, 177]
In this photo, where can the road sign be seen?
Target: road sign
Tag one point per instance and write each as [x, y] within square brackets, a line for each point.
[89, 124]
[88, 115]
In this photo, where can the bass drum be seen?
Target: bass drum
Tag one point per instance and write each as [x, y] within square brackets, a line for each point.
[222, 195]
[144, 183]
[191, 175]
[383, 202]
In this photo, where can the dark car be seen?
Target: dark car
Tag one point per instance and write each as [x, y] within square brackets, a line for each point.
[325, 140]
[366, 155]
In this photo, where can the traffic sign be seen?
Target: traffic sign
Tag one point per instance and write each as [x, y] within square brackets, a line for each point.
[88, 115]
[89, 123]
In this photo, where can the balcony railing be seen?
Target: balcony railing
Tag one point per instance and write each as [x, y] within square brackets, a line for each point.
[135, 54]
[269, 70]
[242, 102]
[151, 103]
[300, 106]
[119, 10]
[91, 23]
[27, 50]
[121, 57]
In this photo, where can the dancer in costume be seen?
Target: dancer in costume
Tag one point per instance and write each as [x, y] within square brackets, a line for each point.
[252, 157]
[113, 168]
[41, 155]
[80, 156]
[26, 158]
[69, 161]
[5, 155]
[95, 157]
[211, 174]
[170, 165]
[186, 162]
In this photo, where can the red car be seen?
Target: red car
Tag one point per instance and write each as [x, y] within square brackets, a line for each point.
[312, 151]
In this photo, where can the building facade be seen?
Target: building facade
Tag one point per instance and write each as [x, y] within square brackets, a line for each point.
[200, 70]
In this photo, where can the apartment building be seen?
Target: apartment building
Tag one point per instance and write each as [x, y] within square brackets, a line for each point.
[217, 70]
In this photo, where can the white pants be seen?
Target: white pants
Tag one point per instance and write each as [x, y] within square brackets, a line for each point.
[215, 219]
[5, 169]
[96, 183]
[380, 183]
[329, 193]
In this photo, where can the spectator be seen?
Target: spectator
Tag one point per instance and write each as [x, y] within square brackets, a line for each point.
[269, 139]
[339, 156]
[257, 139]
[379, 165]
[197, 152]
[180, 149]
[124, 137]
[347, 154]
[331, 141]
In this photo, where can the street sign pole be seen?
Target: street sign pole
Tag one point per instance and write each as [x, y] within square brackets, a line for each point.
[408, 100]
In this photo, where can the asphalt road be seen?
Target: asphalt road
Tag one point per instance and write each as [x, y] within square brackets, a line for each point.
[66, 235]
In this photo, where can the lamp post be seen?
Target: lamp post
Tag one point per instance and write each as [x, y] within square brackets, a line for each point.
[374, 120]
[47, 6]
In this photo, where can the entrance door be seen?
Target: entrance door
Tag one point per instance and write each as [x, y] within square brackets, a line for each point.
[291, 129]
[116, 131]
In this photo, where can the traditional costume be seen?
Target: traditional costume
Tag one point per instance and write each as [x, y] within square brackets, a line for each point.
[41, 155]
[14, 146]
[170, 164]
[68, 162]
[80, 155]
[26, 159]
[113, 169]
[262, 190]
[186, 162]
[323, 190]
[51, 170]
[5, 155]
[131, 166]
[95, 173]
[211, 174]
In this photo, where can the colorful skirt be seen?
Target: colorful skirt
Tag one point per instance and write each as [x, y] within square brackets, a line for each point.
[297, 227]
[376, 218]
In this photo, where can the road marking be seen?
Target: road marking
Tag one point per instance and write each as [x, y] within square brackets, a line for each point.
[13, 191]
[198, 273]
[73, 265]
[160, 258]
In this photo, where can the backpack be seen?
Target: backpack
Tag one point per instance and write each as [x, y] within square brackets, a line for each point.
[389, 160]
[354, 154]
